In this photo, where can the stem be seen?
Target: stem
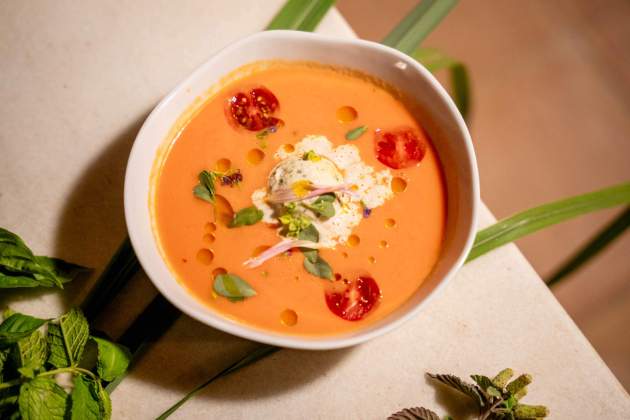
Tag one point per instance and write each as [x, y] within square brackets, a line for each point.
[71, 369]
[488, 412]
[10, 384]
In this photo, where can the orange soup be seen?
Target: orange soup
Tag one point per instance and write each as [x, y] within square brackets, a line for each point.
[301, 199]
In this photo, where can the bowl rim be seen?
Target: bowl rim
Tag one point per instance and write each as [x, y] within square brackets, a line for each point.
[242, 330]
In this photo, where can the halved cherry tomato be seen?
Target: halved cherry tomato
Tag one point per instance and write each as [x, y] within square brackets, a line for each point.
[355, 300]
[254, 110]
[399, 148]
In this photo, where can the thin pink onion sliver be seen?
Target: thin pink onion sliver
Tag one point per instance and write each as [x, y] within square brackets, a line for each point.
[288, 194]
[278, 248]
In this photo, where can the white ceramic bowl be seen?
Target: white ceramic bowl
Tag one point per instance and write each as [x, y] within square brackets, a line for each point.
[437, 114]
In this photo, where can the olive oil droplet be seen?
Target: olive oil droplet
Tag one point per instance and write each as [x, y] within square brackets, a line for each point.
[390, 223]
[218, 271]
[383, 244]
[210, 227]
[209, 238]
[288, 148]
[224, 165]
[288, 317]
[255, 156]
[346, 114]
[205, 256]
[353, 240]
[398, 185]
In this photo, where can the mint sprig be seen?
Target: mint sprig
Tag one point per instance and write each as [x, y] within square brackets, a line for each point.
[28, 368]
[496, 398]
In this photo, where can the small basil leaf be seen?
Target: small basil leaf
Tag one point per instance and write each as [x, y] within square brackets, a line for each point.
[317, 266]
[355, 133]
[246, 217]
[309, 233]
[323, 206]
[310, 254]
[233, 287]
[205, 189]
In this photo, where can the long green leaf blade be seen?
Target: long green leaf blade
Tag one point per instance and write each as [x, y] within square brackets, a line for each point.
[251, 357]
[603, 238]
[434, 60]
[532, 220]
[419, 23]
[301, 15]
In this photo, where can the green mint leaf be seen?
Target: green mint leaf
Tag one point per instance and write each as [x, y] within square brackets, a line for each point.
[18, 326]
[42, 399]
[4, 355]
[27, 372]
[88, 400]
[464, 387]
[316, 265]
[205, 189]
[113, 359]
[246, 217]
[67, 338]
[414, 413]
[233, 287]
[355, 133]
[309, 233]
[262, 134]
[31, 351]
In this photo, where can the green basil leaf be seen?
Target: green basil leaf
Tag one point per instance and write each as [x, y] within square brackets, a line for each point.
[310, 254]
[316, 265]
[42, 399]
[20, 268]
[355, 133]
[205, 189]
[113, 359]
[12, 281]
[88, 400]
[31, 351]
[309, 233]
[323, 206]
[67, 338]
[233, 287]
[63, 270]
[246, 217]
[18, 326]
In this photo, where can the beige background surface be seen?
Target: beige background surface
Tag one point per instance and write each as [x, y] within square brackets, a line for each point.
[77, 81]
[551, 90]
